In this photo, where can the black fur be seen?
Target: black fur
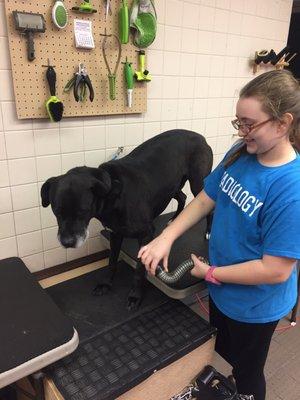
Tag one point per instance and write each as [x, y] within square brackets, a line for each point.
[127, 194]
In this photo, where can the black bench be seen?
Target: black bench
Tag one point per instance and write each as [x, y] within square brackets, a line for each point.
[34, 332]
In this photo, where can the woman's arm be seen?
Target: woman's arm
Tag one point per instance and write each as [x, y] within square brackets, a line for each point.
[197, 209]
[159, 248]
[268, 270]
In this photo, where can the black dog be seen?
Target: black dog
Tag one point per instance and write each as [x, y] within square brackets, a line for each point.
[127, 194]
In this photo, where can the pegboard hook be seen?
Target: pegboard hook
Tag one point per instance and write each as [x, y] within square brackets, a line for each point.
[48, 65]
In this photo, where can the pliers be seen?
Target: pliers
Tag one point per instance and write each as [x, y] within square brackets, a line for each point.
[81, 81]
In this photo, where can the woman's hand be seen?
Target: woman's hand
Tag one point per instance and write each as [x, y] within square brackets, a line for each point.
[200, 269]
[155, 251]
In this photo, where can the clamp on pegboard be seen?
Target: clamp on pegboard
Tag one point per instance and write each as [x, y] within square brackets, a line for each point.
[279, 61]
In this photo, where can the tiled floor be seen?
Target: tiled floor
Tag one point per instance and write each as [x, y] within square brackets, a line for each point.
[283, 364]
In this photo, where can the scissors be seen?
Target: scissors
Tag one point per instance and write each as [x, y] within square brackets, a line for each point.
[82, 81]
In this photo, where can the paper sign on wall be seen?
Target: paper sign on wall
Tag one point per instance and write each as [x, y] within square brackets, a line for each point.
[83, 34]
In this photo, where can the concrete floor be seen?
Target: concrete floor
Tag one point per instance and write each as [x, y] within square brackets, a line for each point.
[283, 365]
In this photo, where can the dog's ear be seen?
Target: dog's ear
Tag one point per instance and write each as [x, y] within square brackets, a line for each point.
[45, 189]
[102, 185]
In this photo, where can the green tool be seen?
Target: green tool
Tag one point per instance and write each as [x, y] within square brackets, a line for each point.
[54, 106]
[124, 23]
[142, 74]
[128, 74]
[80, 82]
[143, 21]
[59, 14]
[82, 92]
[111, 74]
[85, 7]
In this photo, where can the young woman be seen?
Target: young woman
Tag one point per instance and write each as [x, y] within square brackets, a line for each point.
[255, 237]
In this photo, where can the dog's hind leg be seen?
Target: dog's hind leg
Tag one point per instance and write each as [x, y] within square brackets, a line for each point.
[181, 199]
[135, 295]
[115, 247]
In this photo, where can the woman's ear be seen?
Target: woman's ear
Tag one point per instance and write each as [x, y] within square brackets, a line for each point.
[286, 122]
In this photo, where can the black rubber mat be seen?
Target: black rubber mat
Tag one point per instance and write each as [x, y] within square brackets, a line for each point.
[117, 359]
[94, 314]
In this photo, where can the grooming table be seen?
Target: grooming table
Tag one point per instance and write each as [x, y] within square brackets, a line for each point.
[146, 354]
[192, 241]
[150, 356]
[34, 333]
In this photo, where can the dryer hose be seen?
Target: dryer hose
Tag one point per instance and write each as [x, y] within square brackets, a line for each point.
[175, 276]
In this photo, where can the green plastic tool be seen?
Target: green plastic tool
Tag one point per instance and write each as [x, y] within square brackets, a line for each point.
[143, 21]
[59, 14]
[124, 22]
[85, 7]
[54, 106]
[142, 74]
[128, 75]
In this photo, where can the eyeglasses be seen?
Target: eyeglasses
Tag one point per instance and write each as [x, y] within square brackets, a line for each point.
[247, 128]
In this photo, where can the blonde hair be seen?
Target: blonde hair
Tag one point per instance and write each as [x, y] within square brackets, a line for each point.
[279, 93]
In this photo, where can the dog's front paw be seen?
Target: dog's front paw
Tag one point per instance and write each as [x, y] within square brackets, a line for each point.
[134, 299]
[101, 289]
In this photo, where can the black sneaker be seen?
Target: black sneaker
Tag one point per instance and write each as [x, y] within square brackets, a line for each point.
[245, 397]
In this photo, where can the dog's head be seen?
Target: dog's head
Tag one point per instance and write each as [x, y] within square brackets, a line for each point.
[75, 198]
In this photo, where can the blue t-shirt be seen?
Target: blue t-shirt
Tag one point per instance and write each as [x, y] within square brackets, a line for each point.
[257, 212]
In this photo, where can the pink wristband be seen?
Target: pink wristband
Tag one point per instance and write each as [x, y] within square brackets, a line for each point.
[210, 278]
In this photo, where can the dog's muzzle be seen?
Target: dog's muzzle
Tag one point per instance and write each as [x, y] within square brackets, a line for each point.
[74, 241]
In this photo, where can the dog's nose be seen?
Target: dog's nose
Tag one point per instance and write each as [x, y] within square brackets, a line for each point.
[68, 241]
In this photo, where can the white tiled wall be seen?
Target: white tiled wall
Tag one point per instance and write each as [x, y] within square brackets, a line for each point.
[199, 61]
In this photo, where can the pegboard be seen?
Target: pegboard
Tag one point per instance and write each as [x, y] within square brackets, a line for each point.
[29, 77]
